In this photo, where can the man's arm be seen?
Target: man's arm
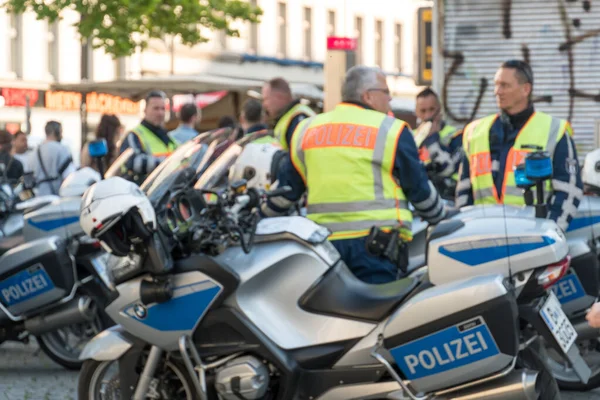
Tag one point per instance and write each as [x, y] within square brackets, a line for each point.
[292, 127]
[414, 181]
[286, 176]
[567, 186]
[446, 158]
[464, 190]
[141, 163]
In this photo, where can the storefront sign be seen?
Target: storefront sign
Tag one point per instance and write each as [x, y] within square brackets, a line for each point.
[424, 70]
[101, 103]
[201, 100]
[13, 97]
[341, 43]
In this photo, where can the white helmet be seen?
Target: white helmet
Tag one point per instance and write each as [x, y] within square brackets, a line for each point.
[256, 164]
[591, 169]
[116, 212]
[77, 182]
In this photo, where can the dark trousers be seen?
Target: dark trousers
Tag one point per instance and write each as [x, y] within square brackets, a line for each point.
[366, 267]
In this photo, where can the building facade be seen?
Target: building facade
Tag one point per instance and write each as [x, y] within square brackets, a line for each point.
[290, 41]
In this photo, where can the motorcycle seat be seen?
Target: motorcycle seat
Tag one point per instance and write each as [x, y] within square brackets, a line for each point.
[10, 243]
[341, 294]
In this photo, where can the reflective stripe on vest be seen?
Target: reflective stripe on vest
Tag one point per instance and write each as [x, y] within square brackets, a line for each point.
[346, 158]
[151, 144]
[540, 130]
[284, 122]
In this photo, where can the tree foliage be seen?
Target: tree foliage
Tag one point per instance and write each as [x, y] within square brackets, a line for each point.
[120, 26]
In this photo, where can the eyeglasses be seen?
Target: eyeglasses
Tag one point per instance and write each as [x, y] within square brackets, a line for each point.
[386, 91]
[522, 66]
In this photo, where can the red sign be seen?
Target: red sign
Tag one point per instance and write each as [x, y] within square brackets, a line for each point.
[201, 100]
[17, 97]
[341, 43]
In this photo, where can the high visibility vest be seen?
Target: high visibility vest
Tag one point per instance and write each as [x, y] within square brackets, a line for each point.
[151, 144]
[346, 158]
[284, 122]
[446, 136]
[540, 130]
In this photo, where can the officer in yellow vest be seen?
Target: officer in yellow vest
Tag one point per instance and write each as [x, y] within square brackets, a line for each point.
[360, 168]
[495, 145]
[285, 112]
[149, 139]
[439, 143]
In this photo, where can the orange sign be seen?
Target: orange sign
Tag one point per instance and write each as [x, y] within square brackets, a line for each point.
[95, 102]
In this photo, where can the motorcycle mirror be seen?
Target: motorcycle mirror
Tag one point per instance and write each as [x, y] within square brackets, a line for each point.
[239, 186]
[98, 148]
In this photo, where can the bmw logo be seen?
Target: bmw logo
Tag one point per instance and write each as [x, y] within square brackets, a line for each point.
[140, 311]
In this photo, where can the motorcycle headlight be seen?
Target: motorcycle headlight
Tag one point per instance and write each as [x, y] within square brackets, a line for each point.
[120, 269]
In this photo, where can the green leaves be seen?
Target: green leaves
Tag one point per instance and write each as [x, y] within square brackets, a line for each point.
[120, 26]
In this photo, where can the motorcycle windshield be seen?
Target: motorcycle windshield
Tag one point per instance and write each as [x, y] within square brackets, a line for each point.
[218, 170]
[195, 154]
[118, 167]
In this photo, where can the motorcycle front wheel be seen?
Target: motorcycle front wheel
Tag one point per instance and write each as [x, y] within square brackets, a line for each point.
[99, 380]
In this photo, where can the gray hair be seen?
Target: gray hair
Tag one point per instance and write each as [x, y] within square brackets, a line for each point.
[358, 80]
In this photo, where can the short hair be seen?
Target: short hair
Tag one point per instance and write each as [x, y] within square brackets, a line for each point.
[252, 110]
[359, 79]
[155, 94]
[226, 121]
[280, 85]
[5, 137]
[522, 69]
[428, 92]
[53, 128]
[19, 133]
[187, 112]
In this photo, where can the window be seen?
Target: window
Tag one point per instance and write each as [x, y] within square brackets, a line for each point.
[307, 33]
[331, 23]
[398, 47]
[358, 29]
[253, 45]
[16, 44]
[379, 43]
[87, 59]
[281, 23]
[53, 47]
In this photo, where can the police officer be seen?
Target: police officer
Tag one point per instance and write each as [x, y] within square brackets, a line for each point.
[360, 168]
[439, 143]
[284, 111]
[149, 139]
[495, 145]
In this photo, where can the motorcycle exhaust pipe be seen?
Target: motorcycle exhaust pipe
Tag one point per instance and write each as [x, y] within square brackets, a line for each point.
[518, 385]
[79, 310]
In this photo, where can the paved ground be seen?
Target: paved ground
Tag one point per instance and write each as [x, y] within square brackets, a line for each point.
[26, 373]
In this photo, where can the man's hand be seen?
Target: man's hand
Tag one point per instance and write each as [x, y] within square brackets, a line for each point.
[593, 316]
[436, 123]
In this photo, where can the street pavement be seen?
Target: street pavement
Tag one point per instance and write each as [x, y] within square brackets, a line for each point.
[27, 374]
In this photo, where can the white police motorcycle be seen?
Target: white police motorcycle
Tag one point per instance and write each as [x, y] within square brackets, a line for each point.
[213, 304]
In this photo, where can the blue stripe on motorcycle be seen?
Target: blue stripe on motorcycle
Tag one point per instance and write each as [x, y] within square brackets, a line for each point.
[25, 285]
[569, 288]
[51, 224]
[482, 255]
[446, 350]
[180, 313]
[583, 222]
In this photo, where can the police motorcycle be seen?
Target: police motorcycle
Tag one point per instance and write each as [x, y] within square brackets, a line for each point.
[216, 304]
[53, 282]
[576, 291]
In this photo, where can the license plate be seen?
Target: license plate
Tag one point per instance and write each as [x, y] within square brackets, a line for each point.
[558, 323]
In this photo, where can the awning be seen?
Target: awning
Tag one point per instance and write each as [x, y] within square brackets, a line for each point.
[137, 89]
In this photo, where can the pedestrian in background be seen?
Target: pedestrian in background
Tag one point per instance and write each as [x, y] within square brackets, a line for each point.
[110, 129]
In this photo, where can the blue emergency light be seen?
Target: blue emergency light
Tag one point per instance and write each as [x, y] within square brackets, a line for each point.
[521, 178]
[538, 166]
[98, 148]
